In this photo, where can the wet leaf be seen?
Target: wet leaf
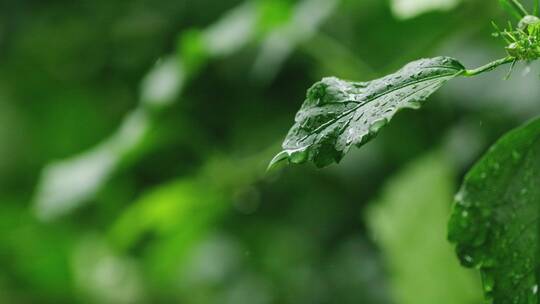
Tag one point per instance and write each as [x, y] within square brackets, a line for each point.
[338, 114]
[495, 219]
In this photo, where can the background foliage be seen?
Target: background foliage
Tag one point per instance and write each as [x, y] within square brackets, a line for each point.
[134, 138]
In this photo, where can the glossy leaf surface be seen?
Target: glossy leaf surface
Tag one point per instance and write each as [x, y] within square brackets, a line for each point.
[339, 114]
[495, 219]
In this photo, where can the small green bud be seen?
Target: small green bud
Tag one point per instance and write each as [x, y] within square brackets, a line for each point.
[528, 21]
[513, 50]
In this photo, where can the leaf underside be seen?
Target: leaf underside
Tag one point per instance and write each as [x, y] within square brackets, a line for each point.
[495, 219]
[339, 114]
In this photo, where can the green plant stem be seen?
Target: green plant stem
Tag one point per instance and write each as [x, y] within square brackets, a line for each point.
[489, 67]
[518, 7]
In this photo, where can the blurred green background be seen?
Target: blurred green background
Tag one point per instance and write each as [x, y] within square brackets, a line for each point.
[134, 138]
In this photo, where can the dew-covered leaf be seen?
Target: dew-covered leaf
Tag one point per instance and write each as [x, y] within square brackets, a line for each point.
[338, 114]
[495, 219]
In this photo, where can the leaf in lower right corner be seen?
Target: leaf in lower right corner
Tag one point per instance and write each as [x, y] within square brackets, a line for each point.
[495, 223]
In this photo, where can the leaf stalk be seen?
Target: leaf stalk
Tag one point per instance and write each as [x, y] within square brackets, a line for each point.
[489, 67]
[518, 7]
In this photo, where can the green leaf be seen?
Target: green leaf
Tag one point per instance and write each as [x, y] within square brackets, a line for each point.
[408, 223]
[338, 114]
[495, 219]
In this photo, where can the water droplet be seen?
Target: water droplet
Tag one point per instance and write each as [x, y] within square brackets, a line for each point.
[377, 125]
[489, 282]
[468, 259]
[298, 156]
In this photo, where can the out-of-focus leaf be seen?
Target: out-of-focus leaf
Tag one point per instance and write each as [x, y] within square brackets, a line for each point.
[495, 219]
[338, 114]
[232, 32]
[306, 18]
[163, 83]
[66, 185]
[408, 222]
[160, 212]
[405, 9]
[274, 13]
[170, 220]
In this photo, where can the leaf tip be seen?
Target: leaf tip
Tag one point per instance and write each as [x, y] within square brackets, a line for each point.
[279, 158]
